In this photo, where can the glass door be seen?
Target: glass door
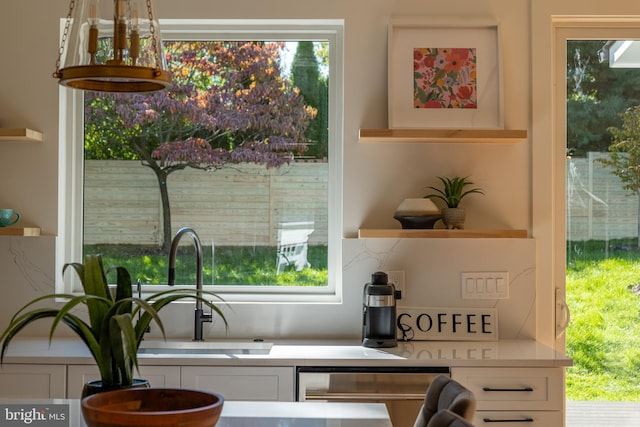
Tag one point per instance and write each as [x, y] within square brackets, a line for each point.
[601, 136]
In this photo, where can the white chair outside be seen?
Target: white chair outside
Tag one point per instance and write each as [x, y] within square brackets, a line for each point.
[293, 238]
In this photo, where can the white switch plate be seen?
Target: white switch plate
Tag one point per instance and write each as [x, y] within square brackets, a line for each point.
[397, 278]
[485, 285]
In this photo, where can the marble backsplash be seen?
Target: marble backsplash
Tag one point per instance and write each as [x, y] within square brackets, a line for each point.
[432, 279]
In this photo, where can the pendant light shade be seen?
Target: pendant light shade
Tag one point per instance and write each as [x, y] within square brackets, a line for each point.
[112, 46]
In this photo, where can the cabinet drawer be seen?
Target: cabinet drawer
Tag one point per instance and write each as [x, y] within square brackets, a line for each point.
[518, 419]
[242, 383]
[514, 388]
[158, 376]
[32, 381]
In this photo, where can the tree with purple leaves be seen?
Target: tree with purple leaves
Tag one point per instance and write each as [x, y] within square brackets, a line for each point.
[229, 104]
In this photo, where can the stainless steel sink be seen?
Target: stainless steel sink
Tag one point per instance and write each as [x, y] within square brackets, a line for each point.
[205, 347]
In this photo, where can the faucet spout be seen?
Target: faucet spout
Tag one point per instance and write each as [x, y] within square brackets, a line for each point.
[200, 317]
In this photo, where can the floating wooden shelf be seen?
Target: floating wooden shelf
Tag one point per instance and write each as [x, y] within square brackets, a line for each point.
[20, 135]
[441, 233]
[443, 135]
[19, 231]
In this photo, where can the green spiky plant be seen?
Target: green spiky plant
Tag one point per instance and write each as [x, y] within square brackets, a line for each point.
[453, 190]
[117, 320]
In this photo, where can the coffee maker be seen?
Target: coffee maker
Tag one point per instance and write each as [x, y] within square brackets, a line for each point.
[379, 312]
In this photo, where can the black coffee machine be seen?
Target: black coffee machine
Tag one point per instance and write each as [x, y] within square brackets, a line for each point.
[379, 312]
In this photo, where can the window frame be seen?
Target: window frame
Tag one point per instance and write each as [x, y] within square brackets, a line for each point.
[69, 244]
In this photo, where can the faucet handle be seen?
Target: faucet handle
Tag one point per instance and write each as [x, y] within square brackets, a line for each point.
[200, 318]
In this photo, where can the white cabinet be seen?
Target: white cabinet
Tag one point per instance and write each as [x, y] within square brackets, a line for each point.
[234, 383]
[515, 396]
[33, 381]
[158, 376]
[242, 383]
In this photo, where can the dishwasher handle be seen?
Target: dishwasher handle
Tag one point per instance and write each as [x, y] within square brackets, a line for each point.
[361, 396]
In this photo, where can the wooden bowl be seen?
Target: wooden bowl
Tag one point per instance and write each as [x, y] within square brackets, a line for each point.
[152, 407]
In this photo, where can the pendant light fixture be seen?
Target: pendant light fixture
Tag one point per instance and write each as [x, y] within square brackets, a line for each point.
[112, 49]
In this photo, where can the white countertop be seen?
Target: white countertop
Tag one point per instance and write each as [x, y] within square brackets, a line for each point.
[502, 353]
[306, 414]
[246, 414]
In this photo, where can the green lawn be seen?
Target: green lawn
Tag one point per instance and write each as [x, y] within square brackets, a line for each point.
[603, 338]
[230, 265]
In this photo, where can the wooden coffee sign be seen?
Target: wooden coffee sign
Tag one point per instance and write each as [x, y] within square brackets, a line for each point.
[440, 324]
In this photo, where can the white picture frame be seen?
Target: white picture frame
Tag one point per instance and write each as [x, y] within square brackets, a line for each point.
[412, 107]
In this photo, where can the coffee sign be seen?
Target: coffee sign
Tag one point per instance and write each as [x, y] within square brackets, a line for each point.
[440, 324]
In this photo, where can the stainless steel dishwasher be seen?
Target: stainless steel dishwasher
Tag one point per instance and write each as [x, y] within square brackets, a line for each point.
[402, 389]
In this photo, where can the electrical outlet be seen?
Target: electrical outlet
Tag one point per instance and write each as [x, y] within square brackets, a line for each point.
[397, 278]
[485, 285]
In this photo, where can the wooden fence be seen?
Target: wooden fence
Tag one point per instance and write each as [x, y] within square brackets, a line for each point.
[241, 205]
[598, 207]
[245, 205]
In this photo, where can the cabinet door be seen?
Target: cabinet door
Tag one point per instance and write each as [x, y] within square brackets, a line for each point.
[33, 381]
[242, 383]
[514, 388]
[158, 376]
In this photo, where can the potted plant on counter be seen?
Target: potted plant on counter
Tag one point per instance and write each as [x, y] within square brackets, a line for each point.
[117, 321]
[452, 193]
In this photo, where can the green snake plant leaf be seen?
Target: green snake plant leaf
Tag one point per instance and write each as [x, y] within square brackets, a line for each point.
[37, 300]
[124, 345]
[146, 313]
[83, 330]
[161, 299]
[94, 282]
[154, 303]
[75, 323]
[73, 302]
[123, 286]
[19, 322]
[110, 355]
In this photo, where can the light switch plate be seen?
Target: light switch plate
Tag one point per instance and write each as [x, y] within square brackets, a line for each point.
[485, 285]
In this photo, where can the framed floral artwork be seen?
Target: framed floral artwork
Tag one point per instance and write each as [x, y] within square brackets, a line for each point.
[445, 74]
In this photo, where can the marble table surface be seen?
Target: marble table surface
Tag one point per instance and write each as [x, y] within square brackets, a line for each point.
[67, 412]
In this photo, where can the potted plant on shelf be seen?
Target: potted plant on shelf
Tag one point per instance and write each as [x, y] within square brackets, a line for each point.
[117, 321]
[451, 194]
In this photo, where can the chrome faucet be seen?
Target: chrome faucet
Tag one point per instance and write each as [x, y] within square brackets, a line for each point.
[200, 317]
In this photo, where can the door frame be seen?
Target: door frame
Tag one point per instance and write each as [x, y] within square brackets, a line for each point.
[549, 159]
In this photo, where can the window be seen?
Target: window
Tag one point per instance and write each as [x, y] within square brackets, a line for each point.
[246, 151]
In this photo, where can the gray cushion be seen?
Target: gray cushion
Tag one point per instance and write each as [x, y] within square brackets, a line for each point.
[446, 418]
[446, 393]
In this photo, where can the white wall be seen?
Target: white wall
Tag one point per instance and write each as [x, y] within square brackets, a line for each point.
[376, 176]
